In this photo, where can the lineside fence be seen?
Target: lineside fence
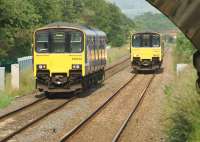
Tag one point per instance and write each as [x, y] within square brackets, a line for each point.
[22, 65]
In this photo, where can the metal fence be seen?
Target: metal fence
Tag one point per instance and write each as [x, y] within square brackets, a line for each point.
[25, 63]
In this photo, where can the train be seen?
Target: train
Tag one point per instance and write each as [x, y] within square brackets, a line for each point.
[147, 51]
[67, 57]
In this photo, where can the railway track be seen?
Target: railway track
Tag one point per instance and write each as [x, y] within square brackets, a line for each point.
[29, 106]
[43, 98]
[85, 122]
[8, 137]
[22, 108]
[134, 110]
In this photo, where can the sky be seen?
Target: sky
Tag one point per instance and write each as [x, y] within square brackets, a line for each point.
[133, 8]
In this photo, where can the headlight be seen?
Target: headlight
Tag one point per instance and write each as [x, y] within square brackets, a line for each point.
[41, 67]
[76, 67]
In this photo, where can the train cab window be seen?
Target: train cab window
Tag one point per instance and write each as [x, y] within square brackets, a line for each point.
[155, 41]
[42, 40]
[146, 40]
[137, 40]
[76, 42]
[58, 42]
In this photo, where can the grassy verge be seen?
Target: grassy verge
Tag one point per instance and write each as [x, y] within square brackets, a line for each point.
[183, 100]
[117, 53]
[26, 86]
[183, 108]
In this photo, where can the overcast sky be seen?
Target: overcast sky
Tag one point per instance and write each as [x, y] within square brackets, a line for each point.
[134, 7]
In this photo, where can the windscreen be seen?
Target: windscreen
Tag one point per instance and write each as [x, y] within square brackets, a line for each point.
[59, 41]
[42, 40]
[146, 40]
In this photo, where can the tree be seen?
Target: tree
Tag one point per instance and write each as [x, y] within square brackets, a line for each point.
[18, 15]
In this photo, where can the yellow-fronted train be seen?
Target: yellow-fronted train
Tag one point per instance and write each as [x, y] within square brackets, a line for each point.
[67, 57]
[146, 51]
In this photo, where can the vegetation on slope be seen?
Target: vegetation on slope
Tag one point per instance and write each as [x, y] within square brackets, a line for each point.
[184, 101]
[153, 22]
[184, 50]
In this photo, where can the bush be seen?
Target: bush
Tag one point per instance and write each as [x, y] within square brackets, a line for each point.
[184, 50]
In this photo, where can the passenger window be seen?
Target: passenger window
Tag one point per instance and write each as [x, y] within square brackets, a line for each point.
[42, 40]
[76, 42]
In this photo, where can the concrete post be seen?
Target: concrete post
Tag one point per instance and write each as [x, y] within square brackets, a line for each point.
[2, 78]
[15, 76]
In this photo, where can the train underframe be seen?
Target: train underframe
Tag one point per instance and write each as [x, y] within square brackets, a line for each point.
[60, 82]
[146, 65]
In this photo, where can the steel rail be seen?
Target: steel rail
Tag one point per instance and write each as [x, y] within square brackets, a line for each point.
[37, 120]
[117, 64]
[21, 109]
[82, 123]
[46, 114]
[135, 108]
[43, 98]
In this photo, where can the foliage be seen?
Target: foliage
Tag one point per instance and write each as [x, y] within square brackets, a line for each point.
[18, 19]
[153, 22]
[183, 109]
[184, 50]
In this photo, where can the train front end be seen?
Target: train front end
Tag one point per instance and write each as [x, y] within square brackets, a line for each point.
[146, 51]
[58, 59]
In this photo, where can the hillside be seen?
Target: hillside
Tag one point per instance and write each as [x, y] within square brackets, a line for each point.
[153, 22]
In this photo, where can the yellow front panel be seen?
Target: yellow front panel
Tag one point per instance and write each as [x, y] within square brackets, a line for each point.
[59, 63]
[146, 53]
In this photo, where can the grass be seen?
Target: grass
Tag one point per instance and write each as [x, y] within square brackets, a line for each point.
[168, 90]
[26, 86]
[117, 53]
[5, 100]
[183, 108]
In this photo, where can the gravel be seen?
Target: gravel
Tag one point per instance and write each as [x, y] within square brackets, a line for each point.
[54, 126]
[149, 122]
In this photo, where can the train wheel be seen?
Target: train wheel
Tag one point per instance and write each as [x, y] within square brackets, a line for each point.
[47, 94]
[135, 71]
[90, 81]
[85, 83]
[95, 80]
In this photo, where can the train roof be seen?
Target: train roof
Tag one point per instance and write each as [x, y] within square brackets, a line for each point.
[86, 29]
[147, 32]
